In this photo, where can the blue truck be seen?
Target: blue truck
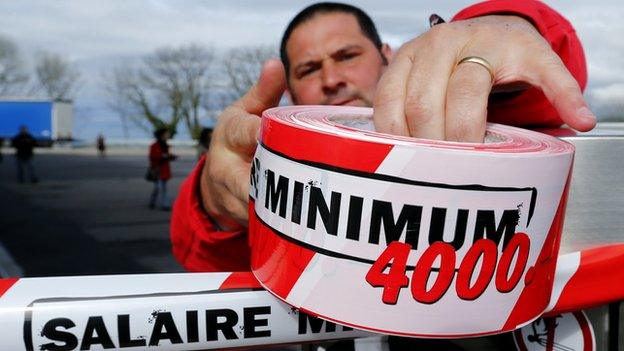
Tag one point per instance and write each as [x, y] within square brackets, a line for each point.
[47, 120]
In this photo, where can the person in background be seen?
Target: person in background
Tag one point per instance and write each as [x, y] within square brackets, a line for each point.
[100, 143]
[160, 160]
[203, 143]
[24, 143]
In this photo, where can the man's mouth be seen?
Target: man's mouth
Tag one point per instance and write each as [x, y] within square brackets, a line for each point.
[343, 102]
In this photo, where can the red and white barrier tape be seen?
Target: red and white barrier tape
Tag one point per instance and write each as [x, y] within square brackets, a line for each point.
[589, 278]
[194, 311]
[198, 311]
[405, 236]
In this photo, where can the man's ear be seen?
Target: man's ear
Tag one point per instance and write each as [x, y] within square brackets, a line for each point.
[386, 50]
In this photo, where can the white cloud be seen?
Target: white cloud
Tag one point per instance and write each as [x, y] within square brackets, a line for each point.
[96, 34]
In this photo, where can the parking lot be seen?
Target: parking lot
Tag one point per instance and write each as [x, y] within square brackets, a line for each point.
[87, 215]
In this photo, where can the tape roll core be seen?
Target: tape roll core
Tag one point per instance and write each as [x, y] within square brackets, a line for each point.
[406, 236]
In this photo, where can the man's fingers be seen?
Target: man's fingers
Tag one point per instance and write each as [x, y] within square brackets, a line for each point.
[237, 184]
[466, 103]
[411, 96]
[426, 92]
[565, 95]
[267, 92]
[226, 183]
[389, 103]
[241, 132]
[236, 209]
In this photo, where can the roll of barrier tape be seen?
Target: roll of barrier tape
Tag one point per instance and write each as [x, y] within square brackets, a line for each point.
[406, 236]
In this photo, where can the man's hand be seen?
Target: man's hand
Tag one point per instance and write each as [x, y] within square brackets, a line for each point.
[425, 94]
[225, 177]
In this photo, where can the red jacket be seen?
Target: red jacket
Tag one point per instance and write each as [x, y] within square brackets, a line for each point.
[199, 246]
[160, 159]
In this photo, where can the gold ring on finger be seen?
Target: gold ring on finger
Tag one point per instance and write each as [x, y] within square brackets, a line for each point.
[480, 61]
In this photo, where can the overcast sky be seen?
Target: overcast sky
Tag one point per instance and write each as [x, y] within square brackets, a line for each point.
[96, 34]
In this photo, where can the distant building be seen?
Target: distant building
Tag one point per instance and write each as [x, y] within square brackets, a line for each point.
[47, 120]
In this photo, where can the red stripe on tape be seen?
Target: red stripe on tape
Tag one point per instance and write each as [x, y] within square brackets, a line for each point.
[540, 281]
[276, 263]
[6, 284]
[312, 146]
[597, 281]
[240, 280]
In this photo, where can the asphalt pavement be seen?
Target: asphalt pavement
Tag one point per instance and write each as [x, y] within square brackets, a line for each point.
[87, 215]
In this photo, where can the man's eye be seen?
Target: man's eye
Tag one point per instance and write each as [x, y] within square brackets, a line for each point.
[307, 71]
[349, 56]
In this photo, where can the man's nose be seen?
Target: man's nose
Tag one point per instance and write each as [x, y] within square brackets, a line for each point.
[332, 77]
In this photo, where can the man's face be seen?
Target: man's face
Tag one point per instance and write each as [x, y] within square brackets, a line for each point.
[332, 62]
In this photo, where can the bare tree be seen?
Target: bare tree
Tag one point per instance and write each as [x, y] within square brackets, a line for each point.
[13, 76]
[129, 100]
[169, 86]
[56, 77]
[242, 68]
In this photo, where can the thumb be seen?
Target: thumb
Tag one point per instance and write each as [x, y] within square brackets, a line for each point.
[267, 91]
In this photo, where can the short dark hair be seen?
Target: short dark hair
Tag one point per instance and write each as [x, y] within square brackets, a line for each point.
[159, 132]
[366, 25]
[204, 136]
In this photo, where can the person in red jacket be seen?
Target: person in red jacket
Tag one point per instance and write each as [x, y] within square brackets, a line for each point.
[160, 159]
[512, 62]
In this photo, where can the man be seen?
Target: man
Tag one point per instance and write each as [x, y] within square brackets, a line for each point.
[101, 145]
[24, 144]
[436, 86]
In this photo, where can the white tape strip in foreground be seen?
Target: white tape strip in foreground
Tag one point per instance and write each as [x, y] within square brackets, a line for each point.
[200, 311]
[194, 311]
[406, 236]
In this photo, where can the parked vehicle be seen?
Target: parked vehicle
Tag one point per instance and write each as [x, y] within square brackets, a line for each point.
[48, 121]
